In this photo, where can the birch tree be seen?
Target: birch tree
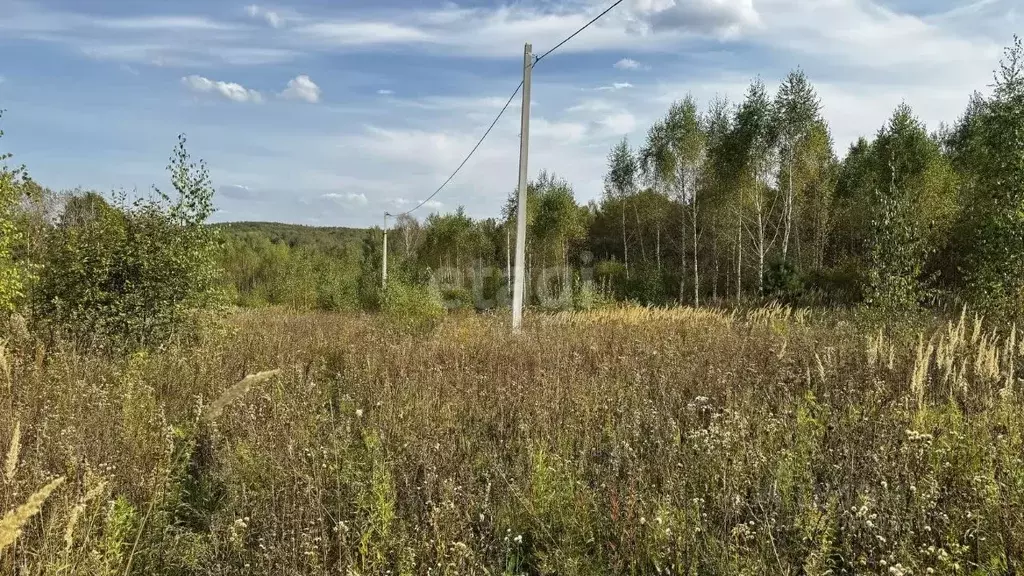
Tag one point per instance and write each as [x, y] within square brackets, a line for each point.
[797, 109]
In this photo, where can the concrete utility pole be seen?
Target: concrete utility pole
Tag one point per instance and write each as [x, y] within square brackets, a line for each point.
[524, 154]
[384, 269]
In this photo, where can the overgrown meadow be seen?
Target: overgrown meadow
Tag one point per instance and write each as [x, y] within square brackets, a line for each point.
[876, 427]
[629, 441]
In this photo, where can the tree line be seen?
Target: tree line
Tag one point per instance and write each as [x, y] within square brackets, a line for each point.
[749, 200]
[721, 203]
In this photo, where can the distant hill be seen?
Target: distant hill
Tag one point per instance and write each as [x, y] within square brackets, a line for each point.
[297, 235]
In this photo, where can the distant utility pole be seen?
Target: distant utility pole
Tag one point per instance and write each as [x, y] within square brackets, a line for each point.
[384, 269]
[524, 154]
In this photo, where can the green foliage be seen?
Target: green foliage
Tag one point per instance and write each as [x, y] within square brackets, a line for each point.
[914, 199]
[260, 268]
[370, 271]
[13, 274]
[132, 274]
[457, 299]
[841, 285]
[994, 222]
[704, 210]
[623, 169]
[318, 238]
[587, 296]
[783, 282]
[646, 286]
[411, 304]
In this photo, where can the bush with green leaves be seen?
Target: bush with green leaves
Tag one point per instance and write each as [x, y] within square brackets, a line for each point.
[646, 285]
[132, 274]
[12, 273]
[457, 299]
[783, 282]
[411, 304]
[994, 221]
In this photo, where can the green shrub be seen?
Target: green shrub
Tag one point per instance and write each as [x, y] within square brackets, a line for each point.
[12, 273]
[646, 286]
[611, 274]
[130, 275]
[457, 298]
[411, 304]
[783, 282]
[587, 297]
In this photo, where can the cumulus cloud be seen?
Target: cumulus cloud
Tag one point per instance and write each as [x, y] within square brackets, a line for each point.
[627, 64]
[723, 17]
[230, 90]
[385, 92]
[881, 55]
[302, 88]
[620, 123]
[616, 86]
[272, 18]
[348, 198]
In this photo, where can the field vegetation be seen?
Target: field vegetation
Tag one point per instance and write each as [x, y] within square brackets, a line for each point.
[621, 442]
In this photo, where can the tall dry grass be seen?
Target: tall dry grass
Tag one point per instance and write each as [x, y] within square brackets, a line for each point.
[633, 441]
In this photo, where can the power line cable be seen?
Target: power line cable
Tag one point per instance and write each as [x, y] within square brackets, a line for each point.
[471, 152]
[504, 108]
[574, 34]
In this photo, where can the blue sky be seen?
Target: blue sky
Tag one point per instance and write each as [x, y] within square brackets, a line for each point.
[330, 113]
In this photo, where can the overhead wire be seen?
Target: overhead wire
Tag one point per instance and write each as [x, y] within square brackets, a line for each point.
[470, 155]
[536, 60]
[574, 34]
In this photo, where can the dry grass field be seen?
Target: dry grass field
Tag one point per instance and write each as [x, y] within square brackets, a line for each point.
[616, 442]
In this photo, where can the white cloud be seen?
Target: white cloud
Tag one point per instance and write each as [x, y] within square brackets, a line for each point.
[488, 32]
[877, 57]
[616, 86]
[349, 198]
[621, 123]
[302, 88]
[562, 132]
[873, 35]
[161, 23]
[362, 33]
[229, 90]
[627, 64]
[271, 17]
[431, 153]
[876, 41]
[433, 204]
[727, 18]
[591, 106]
